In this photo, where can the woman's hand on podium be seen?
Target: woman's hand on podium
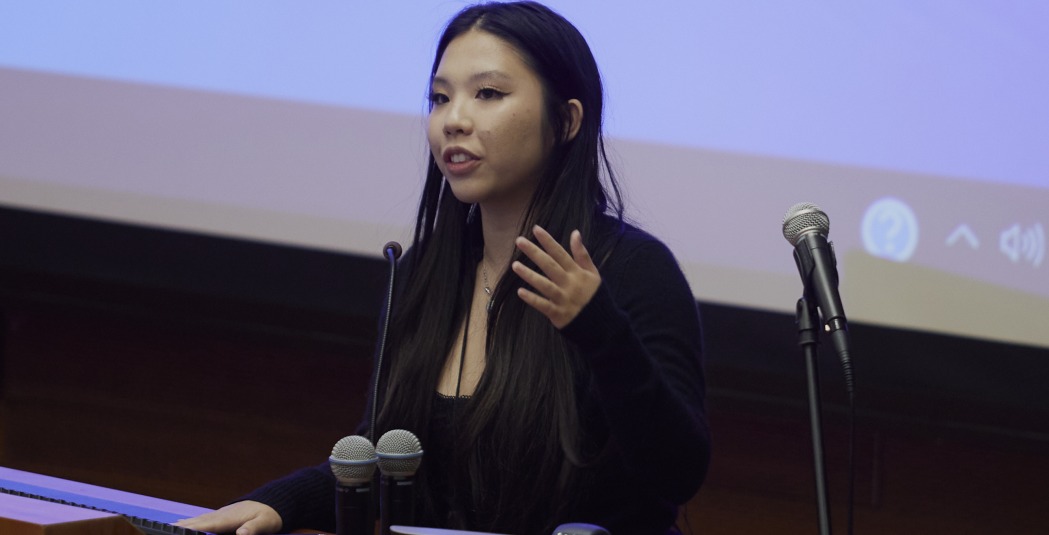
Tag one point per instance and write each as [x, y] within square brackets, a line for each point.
[245, 518]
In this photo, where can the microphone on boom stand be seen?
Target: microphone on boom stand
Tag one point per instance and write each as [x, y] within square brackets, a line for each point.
[806, 227]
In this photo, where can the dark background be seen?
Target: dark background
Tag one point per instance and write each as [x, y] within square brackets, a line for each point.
[195, 368]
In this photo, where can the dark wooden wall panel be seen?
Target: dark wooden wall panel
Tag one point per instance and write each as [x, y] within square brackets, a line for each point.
[185, 413]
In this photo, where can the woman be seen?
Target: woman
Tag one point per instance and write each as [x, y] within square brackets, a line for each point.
[546, 353]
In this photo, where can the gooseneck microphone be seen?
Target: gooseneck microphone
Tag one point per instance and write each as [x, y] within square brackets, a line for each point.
[391, 251]
[353, 462]
[400, 455]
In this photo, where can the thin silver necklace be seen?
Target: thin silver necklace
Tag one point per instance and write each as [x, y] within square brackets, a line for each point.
[484, 278]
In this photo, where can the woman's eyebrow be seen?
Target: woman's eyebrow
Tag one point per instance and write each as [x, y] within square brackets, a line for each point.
[476, 77]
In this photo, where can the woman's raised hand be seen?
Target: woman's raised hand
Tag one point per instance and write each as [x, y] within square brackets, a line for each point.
[567, 282]
[245, 518]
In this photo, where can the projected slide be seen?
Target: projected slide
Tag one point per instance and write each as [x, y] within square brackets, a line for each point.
[920, 129]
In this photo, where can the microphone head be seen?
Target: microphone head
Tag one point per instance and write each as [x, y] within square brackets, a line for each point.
[353, 460]
[399, 452]
[803, 218]
[391, 248]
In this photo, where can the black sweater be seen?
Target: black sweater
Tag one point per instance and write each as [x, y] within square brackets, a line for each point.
[640, 336]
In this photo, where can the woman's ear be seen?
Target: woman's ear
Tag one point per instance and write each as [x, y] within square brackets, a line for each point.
[573, 115]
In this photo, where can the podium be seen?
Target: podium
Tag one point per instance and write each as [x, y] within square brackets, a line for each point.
[34, 504]
[28, 516]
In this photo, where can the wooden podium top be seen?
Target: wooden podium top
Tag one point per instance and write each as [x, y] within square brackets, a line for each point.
[28, 516]
[32, 509]
[92, 495]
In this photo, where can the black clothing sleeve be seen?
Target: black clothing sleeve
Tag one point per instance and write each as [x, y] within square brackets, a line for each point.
[303, 499]
[640, 335]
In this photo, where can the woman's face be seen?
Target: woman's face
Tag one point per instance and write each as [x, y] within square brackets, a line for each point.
[487, 131]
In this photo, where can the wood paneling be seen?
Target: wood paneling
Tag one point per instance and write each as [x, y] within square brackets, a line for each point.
[181, 412]
[200, 411]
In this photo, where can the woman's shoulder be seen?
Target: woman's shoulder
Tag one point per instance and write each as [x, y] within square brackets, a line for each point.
[636, 260]
[628, 240]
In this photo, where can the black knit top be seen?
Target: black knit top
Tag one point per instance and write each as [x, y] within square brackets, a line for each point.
[640, 337]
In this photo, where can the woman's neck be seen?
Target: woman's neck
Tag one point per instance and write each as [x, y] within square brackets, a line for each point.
[499, 229]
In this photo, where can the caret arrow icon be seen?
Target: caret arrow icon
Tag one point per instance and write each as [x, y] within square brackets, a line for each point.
[963, 232]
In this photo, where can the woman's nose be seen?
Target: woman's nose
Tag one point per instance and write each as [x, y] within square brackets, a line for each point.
[457, 119]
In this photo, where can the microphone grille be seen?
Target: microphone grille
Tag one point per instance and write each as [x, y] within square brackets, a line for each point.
[399, 452]
[353, 460]
[802, 218]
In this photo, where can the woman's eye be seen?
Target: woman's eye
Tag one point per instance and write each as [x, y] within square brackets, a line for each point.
[488, 93]
[438, 98]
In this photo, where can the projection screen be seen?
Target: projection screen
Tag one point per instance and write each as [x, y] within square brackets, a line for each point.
[920, 128]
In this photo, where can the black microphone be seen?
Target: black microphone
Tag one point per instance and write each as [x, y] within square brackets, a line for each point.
[391, 251]
[806, 227]
[400, 455]
[353, 461]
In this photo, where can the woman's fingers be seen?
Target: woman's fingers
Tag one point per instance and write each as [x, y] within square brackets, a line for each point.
[567, 282]
[544, 253]
[580, 254]
[245, 518]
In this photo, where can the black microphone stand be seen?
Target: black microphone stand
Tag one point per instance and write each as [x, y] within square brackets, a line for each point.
[807, 320]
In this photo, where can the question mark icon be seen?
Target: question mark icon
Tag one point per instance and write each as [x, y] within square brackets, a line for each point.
[890, 230]
[893, 223]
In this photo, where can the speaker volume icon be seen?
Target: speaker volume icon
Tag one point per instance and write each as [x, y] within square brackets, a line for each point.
[1023, 245]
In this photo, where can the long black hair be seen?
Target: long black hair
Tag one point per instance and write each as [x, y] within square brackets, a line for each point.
[521, 448]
